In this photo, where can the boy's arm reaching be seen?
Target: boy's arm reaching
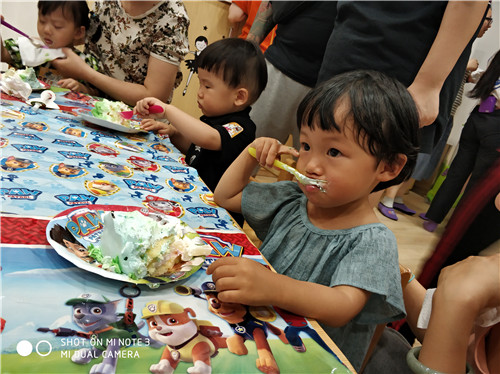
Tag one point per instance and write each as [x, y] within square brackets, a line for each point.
[192, 129]
[245, 281]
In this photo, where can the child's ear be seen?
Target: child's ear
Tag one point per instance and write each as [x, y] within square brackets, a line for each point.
[242, 96]
[391, 171]
[79, 37]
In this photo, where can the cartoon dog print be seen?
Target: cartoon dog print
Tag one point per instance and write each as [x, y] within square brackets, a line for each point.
[186, 339]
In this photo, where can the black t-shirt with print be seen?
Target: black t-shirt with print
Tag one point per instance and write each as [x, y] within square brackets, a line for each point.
[236, 131]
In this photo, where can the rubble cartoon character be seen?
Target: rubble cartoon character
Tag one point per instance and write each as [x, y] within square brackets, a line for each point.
[246, 326]
[186, 339]
[101, 187]
[96, 316]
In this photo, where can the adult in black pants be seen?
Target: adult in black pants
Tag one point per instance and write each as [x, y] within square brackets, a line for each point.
[474, 225]
[478, 150]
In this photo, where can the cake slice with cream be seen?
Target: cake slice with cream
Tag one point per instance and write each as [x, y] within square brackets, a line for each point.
[140, 246]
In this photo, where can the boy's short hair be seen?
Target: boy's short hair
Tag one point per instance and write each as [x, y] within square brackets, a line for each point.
[238, 62]
[385, 116]
[77, 10]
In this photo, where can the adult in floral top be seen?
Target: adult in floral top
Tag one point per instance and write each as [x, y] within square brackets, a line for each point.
[140, 45]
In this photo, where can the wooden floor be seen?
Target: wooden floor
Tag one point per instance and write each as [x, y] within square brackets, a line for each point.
[415, 244]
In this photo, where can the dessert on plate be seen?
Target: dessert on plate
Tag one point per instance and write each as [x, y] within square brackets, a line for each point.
[110, 111]
[141, 246]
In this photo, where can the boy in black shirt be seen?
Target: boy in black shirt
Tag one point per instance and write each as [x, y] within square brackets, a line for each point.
[232, 74]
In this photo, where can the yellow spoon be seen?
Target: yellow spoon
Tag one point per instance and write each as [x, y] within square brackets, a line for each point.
[300, 177]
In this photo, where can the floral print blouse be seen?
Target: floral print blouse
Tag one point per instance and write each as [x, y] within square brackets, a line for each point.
[124, 43]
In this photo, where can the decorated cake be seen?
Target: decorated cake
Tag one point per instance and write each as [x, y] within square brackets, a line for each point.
[141, 246]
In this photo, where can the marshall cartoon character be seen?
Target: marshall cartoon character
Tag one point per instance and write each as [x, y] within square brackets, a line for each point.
[168, 207]
[186, 339]
[143, 164]
[96, 316]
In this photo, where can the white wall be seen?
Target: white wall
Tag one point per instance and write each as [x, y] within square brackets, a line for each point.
[22, 14]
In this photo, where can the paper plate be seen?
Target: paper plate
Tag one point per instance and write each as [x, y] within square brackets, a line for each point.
[110, 125]
[80, 227]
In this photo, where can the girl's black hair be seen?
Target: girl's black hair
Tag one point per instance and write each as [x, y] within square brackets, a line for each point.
[77, 10]
[385, 116]
[485, 84]
[238, 62]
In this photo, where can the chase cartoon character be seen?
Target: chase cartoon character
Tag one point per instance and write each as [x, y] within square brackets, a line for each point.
[186, 339]
[180, 186]
[67, 171]
[65, 238]
[38, 126]
[73, 131]
[12, 163]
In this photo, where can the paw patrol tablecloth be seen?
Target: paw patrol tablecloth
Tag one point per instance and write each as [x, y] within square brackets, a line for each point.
[52, 160]
[58, 318]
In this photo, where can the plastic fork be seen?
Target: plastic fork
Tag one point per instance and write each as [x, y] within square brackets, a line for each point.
[13, 28]
[152, 109]
[300, 177]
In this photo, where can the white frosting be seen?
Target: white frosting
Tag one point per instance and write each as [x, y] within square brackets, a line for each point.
[131, 236]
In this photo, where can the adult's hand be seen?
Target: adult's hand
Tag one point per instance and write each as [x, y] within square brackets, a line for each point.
[159, 81]
[463, 291]
[427, 101]
[474, 281]
[72, 66]
[449, 43]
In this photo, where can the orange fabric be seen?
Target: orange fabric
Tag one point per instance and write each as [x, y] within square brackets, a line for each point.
[250, 9]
